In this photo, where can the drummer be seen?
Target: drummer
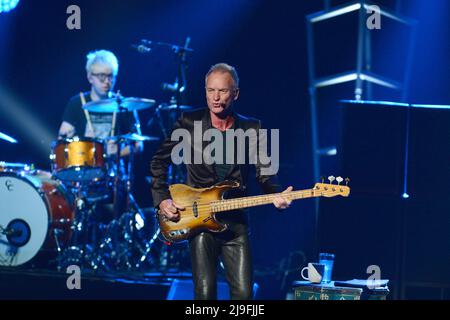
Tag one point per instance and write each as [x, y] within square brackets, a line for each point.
[102, 68]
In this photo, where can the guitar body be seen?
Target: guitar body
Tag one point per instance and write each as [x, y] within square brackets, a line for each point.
[197, 215]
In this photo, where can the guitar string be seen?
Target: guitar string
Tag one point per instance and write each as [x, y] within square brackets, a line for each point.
[263, 197]
[208, 208]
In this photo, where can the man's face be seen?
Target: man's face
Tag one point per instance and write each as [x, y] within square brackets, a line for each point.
[221, 91]
[102, 79]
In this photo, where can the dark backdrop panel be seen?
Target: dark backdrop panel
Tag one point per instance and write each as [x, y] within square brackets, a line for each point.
[427, 241]
[429, 156]
[372, 148]
[407, 238]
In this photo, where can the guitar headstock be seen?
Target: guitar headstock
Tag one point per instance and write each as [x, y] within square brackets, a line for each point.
[332, 190]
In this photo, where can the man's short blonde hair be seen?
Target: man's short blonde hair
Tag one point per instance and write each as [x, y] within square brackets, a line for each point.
[102, 57]
[224, 67]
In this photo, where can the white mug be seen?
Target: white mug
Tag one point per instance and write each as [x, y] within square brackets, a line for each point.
[315, 272]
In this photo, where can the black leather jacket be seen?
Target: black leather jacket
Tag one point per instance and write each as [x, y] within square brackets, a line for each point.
[204, 175]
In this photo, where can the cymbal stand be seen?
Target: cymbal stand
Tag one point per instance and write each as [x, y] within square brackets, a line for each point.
[118, 175]
[126, 224]
[158, 117]
[138, 218]
[131, 202]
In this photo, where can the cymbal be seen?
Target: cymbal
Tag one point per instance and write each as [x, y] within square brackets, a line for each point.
[14, 165]
[132, 137]
[112, 105]
[174, 106]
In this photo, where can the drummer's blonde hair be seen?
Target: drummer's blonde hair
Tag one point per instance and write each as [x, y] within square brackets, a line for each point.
[102, 57]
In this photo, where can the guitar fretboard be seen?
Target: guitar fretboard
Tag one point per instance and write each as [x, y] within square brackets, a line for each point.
[253, 201]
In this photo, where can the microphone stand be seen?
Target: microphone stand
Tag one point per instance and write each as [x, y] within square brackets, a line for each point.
[181, 53]
[175, 175]
[182, 66]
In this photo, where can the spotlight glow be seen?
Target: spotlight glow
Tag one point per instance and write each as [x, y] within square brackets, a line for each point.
[8, 5]
[25, 120]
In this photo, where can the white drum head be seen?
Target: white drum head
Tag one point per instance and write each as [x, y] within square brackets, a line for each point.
[24, 216]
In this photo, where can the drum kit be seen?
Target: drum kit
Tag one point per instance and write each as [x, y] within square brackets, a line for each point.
[52, 218]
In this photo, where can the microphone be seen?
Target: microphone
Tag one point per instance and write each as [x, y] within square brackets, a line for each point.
[141, 48]
[170, 87]
[13, 233]
[10, 232]
[186, 44]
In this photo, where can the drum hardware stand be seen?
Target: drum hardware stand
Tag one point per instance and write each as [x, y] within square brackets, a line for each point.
[128, 180]
[132, 218]
[56, 233]
[174, 175]
[118, 175]
[9, 261]
[148, 248]
[12, 249]
[78, 250]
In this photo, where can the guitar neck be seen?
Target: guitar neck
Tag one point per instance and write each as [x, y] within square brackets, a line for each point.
[253, 201]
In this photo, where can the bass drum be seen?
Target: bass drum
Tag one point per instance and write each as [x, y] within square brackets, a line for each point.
[36, 215]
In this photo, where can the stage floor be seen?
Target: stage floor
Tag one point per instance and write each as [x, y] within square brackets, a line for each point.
[34, 284]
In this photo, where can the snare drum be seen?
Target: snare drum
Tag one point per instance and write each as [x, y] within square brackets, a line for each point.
[36, 213]
[78, 159]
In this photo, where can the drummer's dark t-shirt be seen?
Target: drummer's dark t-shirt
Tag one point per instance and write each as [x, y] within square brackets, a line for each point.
[102, 122]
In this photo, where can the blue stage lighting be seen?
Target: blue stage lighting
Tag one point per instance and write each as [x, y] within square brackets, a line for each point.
[8, 5]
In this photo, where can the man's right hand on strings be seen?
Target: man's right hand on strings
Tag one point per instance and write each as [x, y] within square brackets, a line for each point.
[170, 209]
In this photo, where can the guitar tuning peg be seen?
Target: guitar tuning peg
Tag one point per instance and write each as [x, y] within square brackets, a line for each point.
[347, 180]
[322, 178]
[339, 180]
[331, 179]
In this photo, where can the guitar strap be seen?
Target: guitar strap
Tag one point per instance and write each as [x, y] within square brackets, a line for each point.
[88, 117]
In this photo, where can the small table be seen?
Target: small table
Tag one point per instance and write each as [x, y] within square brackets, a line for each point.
[305, 290]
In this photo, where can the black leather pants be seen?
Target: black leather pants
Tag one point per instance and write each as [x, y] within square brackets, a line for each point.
[206, 248]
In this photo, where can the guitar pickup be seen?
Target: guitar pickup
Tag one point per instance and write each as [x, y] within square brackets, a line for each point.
[195, 209]
[179, 232]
